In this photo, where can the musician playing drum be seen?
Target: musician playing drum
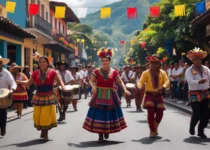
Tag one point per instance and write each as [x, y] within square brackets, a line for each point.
[126, 78]
[6, 81]
[67, 79]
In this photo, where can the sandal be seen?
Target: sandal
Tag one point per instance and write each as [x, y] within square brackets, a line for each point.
[100, 139]
[106, 136]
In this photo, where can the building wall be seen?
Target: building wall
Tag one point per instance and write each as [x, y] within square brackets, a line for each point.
[3, 11]
[207, 5]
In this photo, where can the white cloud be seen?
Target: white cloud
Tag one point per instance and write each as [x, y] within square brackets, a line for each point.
[93, 5]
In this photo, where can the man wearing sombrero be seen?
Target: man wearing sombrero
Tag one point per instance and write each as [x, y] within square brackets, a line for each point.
[198, 77]
[67, 79]
[156, 81]
[6, 81]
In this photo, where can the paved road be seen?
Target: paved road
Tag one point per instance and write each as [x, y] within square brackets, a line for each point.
[69, 135]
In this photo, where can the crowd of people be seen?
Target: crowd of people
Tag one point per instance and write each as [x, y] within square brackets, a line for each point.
[62, 85]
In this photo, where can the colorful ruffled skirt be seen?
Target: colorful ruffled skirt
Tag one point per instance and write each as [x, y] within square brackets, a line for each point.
[105, 119]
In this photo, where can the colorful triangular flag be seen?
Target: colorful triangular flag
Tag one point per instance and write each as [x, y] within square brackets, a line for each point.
[132, 42]
[83, 40]
[105, 13]
[105, 42]
[132, 13]
[155, 11]
[179, 10]
[201, 7]
[60, 11]
[33, 9]
[82, 12]
[10, 6]
[78, 40]
[122, 42]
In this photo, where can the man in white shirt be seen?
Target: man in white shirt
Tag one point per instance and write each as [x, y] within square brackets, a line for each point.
[126, 77]
[169, 73]
[198, 77]
[6, 82]
[67, 79]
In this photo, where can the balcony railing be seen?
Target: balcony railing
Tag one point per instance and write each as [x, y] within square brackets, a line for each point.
[39, 23]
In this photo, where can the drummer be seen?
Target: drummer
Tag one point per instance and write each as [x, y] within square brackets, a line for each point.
[126, 78]
[67, 79]
[138, 94]
[78, 79]
[6, 81]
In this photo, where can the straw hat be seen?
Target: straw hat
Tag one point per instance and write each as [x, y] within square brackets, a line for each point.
[63, 62]
[14, 66]
[4, 60]
[4, 92]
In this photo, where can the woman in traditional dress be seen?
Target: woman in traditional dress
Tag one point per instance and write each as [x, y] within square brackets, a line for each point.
[44, 99]
[20, 95]
[105, 115]
[77, 81]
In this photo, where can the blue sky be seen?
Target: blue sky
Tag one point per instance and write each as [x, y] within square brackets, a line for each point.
[74, 4]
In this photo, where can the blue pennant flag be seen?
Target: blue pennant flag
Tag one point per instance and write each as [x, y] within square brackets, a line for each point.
[200, 7]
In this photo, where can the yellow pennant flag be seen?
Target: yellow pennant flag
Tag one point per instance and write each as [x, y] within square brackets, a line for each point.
[105, 13]
[105, 42]
[60, 11]
[179, 10]
[83, 40]
[93, 41]
[78, 40]
[10, 6]
[132, 42]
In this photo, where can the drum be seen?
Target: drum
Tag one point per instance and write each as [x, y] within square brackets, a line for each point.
[76, 90]
[68, 93]
[5, 100]
[130, 87]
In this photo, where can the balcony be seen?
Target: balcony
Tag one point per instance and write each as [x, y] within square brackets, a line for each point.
[40, 24]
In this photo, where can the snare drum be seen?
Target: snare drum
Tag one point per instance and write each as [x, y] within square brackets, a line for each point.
[130, 87]
[5, 100]
[76, 90]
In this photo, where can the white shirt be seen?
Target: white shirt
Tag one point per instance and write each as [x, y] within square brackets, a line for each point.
[137, 79]
[78, 76]
[67, 76]
[124, 77]
[169, 72]
[7, 80]
[177, 71]
[82, 73]
[192, 77]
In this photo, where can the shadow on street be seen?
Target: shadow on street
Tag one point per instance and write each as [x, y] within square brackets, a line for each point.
[27, 143]
[148, 140]
[94, 144]
[142, 121]
[135, 112]
[196, 140]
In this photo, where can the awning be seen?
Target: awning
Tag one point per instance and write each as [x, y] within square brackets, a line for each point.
[58, 47]
[8, 26]
[203, 19]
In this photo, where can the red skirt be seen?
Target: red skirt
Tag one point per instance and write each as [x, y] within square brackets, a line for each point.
[156, 102]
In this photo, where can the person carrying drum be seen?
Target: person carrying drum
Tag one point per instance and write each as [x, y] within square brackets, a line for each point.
[67, 79]
[20, 95]
[77, 84]
[156, 81]
[138, 94]
[87, 86]
[6, 81]
[126, 78]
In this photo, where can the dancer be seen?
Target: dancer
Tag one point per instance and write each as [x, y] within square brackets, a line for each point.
[6, 81]
[198, 77]
[44, 99]
[67, 79]
[20, 95]
[156, 81]
[105, 115]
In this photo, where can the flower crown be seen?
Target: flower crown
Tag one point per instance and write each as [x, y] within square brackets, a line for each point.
[156, 57]
[105, 52]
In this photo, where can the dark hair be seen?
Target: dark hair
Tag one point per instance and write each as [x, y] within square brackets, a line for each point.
[45, 58]
[109, 58]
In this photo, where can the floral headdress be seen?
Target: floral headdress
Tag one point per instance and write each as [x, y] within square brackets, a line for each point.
[196, 52]
[156, 57]
[105, 52]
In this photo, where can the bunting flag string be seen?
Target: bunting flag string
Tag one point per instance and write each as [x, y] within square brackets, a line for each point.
[155, 11]
[132, 13]
[60, 11]
[10, 6]
[179, 10]
[33, 9]
[200, 8]
[105, 13]
[122, 42]
[82, 12]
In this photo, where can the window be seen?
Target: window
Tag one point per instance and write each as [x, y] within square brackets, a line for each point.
[47, 16]
[38, 2]
[63, 29]
[42, 12]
